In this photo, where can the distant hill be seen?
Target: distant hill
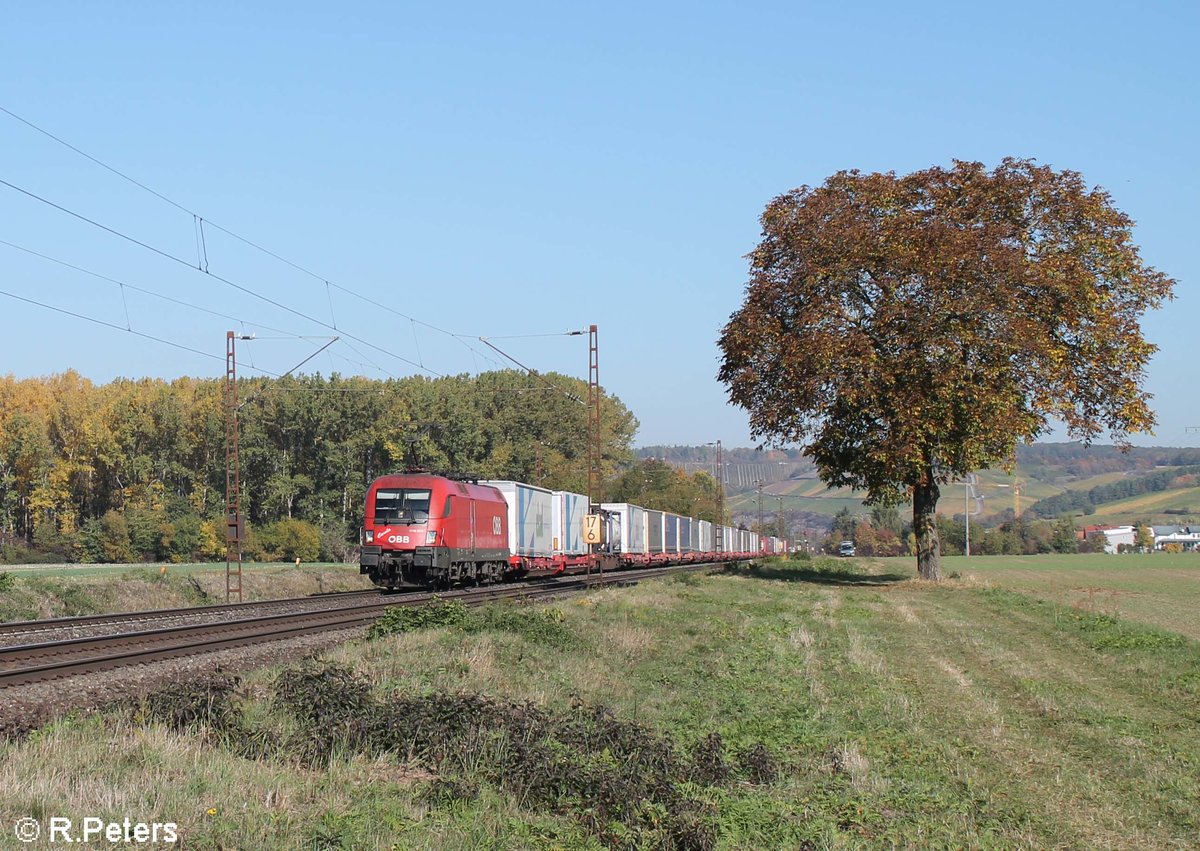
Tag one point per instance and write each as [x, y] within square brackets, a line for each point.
[1107, 485]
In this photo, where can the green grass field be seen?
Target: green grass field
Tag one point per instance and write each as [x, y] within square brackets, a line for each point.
[1021, 706]
[1158, 589]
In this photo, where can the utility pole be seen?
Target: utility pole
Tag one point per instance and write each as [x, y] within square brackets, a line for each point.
[593, 420]
[718, 535]
[968, 486]
[594, 472]
[760, 505]
[782, 530]
[720, 485]
[233, 485]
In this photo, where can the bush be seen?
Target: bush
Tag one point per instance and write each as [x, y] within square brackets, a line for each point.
[288, 539]
[111, 538]
[545, 626]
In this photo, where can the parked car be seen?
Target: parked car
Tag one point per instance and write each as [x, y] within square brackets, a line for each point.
[846, 548]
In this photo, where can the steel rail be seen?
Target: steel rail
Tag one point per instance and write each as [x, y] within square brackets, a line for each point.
[74, 621]
[29, 663]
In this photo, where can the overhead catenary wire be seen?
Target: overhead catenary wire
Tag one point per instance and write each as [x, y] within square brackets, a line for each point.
[201, 249]
[283, 334]
[534, 373]
[152, 294]
[213, 275]
[116, 327]
[123, 285]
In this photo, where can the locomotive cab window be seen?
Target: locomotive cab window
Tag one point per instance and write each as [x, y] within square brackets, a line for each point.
[408, 505]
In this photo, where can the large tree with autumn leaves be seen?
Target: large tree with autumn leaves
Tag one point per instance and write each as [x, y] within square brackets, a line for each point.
[908, 330]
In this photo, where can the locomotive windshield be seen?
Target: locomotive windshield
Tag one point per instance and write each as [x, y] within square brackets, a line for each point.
[408, 505]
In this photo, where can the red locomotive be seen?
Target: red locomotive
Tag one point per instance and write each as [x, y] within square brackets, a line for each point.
[427, 531]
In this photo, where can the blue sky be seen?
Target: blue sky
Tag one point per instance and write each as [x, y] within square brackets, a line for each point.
[513, 169]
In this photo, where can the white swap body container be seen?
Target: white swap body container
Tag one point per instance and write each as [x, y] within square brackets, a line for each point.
[568, 512]
[705, 530]
[530, 518]
[671, 542]
[724, 542]
[654, 531]
[631, 522]
[686, 524]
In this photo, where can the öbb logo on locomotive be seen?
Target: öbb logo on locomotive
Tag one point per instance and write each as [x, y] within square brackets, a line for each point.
[424, 530]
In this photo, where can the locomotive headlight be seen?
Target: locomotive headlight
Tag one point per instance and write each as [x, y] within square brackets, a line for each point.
[431, 537]
[370, 536]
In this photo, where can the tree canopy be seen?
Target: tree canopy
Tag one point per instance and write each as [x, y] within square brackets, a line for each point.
[908, 330]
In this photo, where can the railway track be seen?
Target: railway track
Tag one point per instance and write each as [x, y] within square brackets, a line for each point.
[142, 637]
[46, 629]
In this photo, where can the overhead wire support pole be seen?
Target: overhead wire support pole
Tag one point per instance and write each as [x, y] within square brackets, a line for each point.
[594, 473]
[234, 526]
[233, 485]
[718, 535]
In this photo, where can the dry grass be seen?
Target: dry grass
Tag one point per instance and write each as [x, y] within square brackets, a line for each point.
[140, 588]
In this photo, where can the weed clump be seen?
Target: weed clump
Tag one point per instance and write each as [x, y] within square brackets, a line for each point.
[438, 613]
[208, 703]
[331, 704]
[621, 781]
[545, 626]
[7, 581]
[758, 765]
[708, 760]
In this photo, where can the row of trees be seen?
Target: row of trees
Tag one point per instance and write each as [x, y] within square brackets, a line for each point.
[1080, 461]
[885, 534]
[136, 468]
[1086, 501]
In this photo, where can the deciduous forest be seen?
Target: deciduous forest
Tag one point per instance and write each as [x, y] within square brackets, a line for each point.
[135, 469]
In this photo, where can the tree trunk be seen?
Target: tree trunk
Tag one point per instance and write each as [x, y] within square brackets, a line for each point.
[929, 549]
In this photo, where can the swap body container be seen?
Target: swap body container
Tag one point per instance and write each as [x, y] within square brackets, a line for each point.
[704, 530]
[530, 518]
[671, 533]
[655, 537]
[630, 533]
[568, 511]
[685, 534]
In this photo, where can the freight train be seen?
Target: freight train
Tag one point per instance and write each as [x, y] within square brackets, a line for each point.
[424, 530]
